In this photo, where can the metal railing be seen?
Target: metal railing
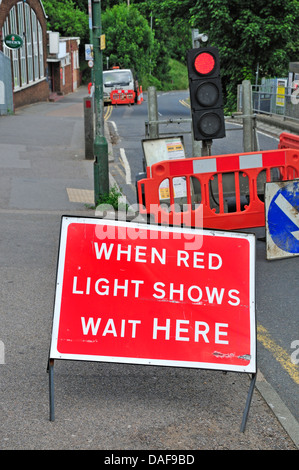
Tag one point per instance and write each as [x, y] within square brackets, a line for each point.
[280, 101]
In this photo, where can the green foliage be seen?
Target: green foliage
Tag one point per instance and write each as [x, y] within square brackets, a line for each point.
[178, 81]
[111, 199]
[150, 80]
[66, 18]
[129, 40]
[179, 76]
[248, 34]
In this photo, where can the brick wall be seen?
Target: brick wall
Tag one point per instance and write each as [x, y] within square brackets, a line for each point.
[72, 76]
[31, 94]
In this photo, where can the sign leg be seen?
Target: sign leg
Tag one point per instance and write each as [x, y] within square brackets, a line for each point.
[248, 401]
[51, 388]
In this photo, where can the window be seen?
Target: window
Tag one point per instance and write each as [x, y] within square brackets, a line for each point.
[5, 32]
[35, 46]
[23, 48]
[63, 75]
[41, 50]
[29, 42]
[75, 60]
[28, 61]
[15, 53]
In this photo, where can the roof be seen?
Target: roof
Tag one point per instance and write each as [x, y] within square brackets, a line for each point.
[117, 70]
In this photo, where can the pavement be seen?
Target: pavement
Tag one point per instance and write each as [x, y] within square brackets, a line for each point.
[107, 407]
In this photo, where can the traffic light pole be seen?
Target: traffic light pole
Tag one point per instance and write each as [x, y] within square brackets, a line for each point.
[206, 149]
[101, 172]
[197, 150]
[248, 134]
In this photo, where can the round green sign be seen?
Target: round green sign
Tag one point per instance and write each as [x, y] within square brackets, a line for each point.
[13, 41]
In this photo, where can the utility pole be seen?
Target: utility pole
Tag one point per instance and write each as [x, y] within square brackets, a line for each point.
[101, 172]
[248, 136]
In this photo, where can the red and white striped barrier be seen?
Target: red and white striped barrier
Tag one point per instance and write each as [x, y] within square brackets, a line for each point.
[122, 97]
[288, 141]
[211, 173]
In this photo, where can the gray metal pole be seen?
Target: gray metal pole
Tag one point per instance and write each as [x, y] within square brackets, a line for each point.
[206, 150]
[196, 145]
[152, 112]
[248, 140]
[51, 388]
[89, 126]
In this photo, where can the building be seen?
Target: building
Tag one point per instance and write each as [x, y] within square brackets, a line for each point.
[27, 19]
[63, 64]
[46, 65]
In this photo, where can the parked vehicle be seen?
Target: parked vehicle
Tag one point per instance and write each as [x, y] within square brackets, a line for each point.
[121, 81]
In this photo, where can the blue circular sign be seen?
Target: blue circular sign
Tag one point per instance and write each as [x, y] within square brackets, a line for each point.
[283, 218]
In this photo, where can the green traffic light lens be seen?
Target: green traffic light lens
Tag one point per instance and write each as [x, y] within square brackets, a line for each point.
[209, 124]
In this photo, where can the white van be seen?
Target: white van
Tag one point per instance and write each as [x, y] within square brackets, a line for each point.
[117, 79]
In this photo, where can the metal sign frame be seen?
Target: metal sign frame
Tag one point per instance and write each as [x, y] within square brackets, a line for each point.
[157, 150]
[88, 248]
[166, 148]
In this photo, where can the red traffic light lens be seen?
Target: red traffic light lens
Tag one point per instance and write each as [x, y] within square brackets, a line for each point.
[204, 63]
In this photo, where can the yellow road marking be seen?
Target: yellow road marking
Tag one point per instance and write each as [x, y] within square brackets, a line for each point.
[278, 352]
[184, 103]
[108, 112]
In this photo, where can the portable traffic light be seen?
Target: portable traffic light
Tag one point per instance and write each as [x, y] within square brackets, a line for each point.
[205, 93]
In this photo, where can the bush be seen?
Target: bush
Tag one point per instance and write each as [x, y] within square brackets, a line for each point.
[178, 81]
[149, 80]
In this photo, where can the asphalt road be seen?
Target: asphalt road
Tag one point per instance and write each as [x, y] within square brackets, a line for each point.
[277, 281]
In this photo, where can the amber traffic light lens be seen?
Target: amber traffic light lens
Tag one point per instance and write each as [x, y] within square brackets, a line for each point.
[207, 94]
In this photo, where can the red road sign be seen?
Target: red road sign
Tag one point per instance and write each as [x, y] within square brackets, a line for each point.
[147, 294]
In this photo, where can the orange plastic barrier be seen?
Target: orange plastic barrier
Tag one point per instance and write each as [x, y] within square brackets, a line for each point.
[247, 173]
[122, 97]
[288, 141]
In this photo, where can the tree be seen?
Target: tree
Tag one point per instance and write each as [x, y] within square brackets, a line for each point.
[170, 25]
[66, 18]
[129, 39]
[147, 33]
[247, 34]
